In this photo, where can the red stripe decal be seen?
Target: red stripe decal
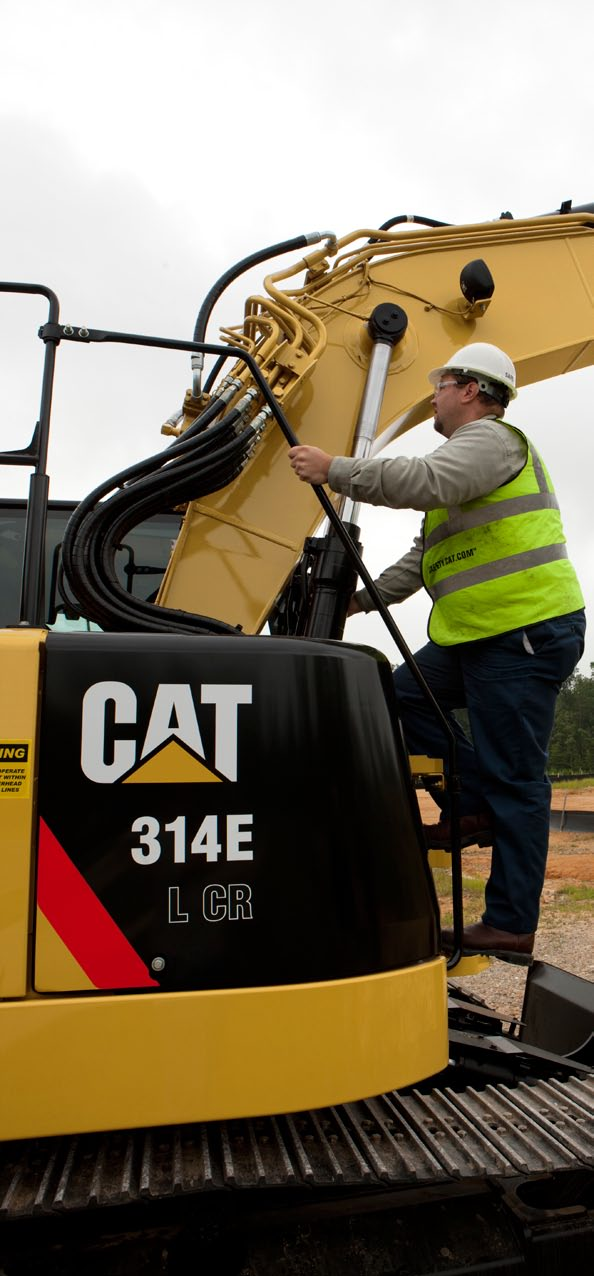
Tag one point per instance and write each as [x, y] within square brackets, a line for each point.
[83, 924]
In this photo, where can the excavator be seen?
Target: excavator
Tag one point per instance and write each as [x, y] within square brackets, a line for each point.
[227, 1037]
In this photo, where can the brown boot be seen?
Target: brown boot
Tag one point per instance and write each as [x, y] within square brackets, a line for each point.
[475, 830]
[487, 940]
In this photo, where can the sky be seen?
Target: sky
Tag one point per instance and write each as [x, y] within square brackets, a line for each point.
[149, 144]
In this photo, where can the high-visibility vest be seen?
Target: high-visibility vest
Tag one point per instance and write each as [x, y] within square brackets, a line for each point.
[499, 562]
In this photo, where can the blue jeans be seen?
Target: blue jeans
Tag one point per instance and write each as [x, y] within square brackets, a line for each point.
[509, 685]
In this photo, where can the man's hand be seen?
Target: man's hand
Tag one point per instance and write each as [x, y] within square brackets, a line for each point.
[310, 464]
[353, 608]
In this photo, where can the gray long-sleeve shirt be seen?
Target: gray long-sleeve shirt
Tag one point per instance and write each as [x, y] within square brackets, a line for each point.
[478, 458]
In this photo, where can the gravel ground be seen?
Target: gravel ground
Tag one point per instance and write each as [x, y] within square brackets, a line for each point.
[564, 941]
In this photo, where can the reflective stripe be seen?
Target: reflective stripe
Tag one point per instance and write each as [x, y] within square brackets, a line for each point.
[459, 520]
[501, 567]
[539, 473]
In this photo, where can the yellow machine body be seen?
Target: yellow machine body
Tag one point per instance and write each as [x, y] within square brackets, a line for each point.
[20, 690]
[93, 1060]
[96, 1063]
[75, 1057]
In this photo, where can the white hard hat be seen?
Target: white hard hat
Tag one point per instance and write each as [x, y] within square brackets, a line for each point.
[483, 362]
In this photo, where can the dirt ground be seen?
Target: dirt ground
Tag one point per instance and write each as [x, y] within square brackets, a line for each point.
[566, 927]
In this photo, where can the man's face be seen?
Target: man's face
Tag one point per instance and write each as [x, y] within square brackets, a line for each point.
[447, 404]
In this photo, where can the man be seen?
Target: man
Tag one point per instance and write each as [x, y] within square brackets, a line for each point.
[506, 628]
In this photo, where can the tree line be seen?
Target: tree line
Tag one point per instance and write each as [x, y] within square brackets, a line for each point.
[572, 741]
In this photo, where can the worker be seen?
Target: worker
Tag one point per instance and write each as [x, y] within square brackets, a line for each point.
[506, 628]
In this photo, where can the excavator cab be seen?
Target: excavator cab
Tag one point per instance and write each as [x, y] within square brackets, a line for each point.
[140, 562]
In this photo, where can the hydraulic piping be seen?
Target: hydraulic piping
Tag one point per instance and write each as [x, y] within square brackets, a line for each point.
[254, 259]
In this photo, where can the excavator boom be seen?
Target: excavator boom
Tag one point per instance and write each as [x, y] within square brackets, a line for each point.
[238, 546]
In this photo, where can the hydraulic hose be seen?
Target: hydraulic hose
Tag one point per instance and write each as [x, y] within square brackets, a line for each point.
[214, 372]
[240, 267]
[93, 539]
[233, 273]
[188, 470]
[411, 217]
[414, 218]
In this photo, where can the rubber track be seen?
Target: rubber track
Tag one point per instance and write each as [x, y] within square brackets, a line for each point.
[393, 1140]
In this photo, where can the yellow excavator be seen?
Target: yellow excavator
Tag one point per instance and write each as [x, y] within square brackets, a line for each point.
[226, 1034]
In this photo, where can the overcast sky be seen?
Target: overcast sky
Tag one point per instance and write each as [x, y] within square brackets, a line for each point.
[149, 144]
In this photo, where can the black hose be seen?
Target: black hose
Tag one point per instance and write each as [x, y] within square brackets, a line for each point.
[208, 414]
[94, 537]
[263, 254]
[214, 372]
[407, 217]
[411, 217]
[192, 467]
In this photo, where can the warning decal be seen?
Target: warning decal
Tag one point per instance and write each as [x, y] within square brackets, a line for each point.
[15, 768]
[82, 923]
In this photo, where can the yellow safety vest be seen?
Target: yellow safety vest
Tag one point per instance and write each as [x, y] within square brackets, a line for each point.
[499, 562]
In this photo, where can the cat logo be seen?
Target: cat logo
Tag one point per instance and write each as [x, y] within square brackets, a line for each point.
[171, 748]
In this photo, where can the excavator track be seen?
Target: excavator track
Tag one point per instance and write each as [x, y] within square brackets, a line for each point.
[135, 1192]
[392, 1140]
